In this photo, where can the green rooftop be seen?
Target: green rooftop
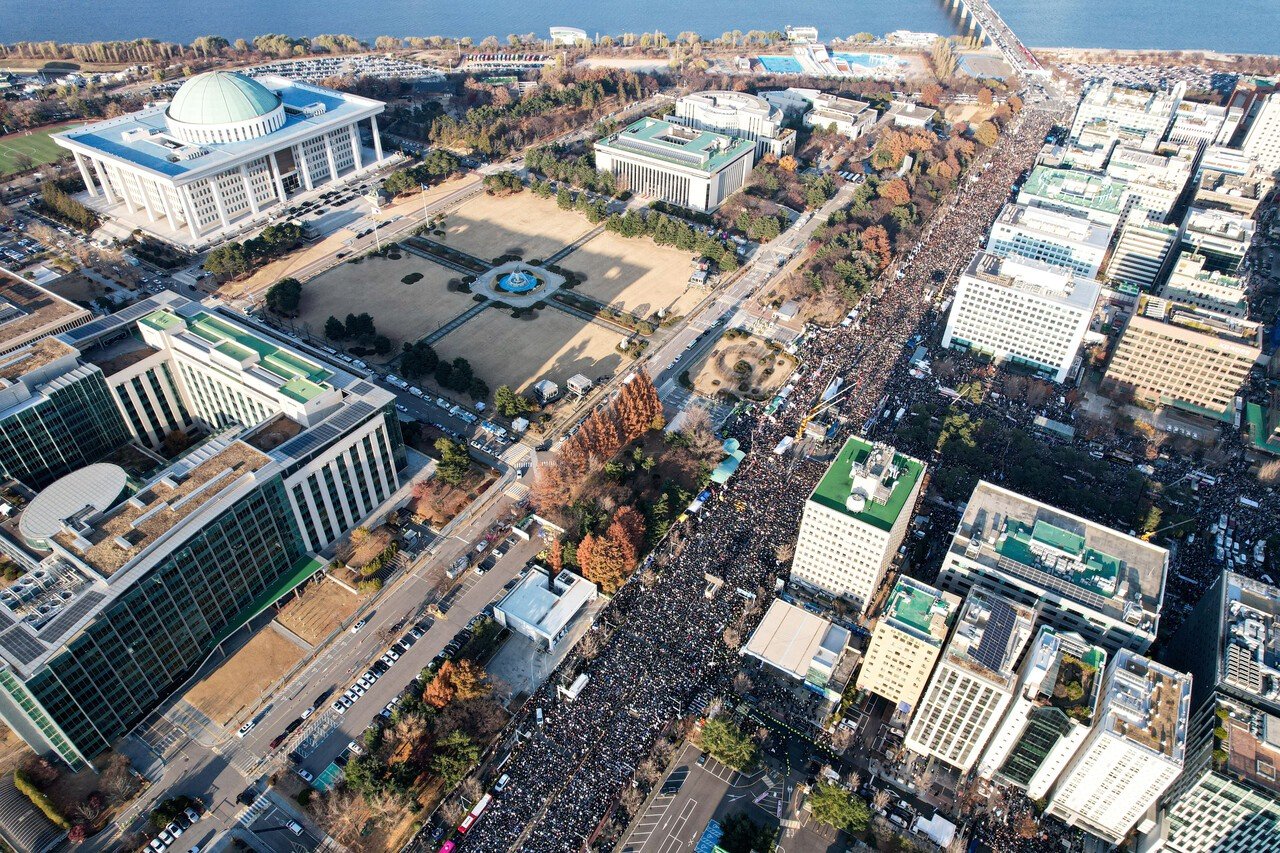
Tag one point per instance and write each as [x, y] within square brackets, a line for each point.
[833, 489]
[1258, 434]
[1077, 189]
[912, 604]
[303, 380]
[1100, 572]
[682, 146]
[162, 320]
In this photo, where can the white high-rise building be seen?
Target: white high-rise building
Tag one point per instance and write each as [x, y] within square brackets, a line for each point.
[1051, 713]
[1204, 124]
[1080, 576]
[738, 114]
[1046, 235]
[1134, 751]
[973, 683]
[1156, 179]
[1191, 284]
[855, 520]
[1125, 110]
[1262, 142]
[1142, 252]
[1022, 311]
[1101, 199]
[224, 150]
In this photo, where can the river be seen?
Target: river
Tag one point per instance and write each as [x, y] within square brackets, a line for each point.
[1250, 26]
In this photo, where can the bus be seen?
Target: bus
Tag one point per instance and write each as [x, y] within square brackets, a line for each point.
[448, 847]
[474, 815]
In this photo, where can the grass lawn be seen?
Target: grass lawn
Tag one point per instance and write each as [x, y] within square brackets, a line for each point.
[36, 144]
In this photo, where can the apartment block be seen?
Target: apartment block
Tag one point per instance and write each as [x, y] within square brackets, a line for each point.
[974, 681]
[1081, 577]
[855, 520]
[906, 642]
[1051, 237]
[1026, 312]
[1133, 753]
[1183, 356]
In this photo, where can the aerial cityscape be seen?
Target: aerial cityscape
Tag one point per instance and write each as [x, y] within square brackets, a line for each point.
[847, 430]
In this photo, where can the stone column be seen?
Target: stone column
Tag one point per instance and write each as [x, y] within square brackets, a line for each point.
[218, 203]
[248, 189]
[300, 157]
[354, 133]
[106, 181]
[328, 154]
[189, 208]
[146, 196]
[168, 209]
[85, 175]
[377, 138]
[274, 165]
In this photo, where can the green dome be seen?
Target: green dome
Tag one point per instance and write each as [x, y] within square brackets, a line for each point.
[220, 98]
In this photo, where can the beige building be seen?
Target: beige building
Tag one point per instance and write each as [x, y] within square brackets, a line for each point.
[1183, 356]
[29, 313]
[1191, 284]
[906, 642]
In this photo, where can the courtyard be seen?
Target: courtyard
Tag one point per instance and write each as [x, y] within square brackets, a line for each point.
[635, 275]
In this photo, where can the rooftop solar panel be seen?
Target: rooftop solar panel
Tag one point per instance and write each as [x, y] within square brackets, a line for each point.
[995, 637]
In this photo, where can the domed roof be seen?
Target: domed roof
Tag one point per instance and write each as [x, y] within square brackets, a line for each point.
[221, 97]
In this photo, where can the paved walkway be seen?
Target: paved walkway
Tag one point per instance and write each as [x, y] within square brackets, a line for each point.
[561, 254]
[436, 259]
[455, 322]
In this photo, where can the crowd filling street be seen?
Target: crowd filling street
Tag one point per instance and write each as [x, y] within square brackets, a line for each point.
[667, 646]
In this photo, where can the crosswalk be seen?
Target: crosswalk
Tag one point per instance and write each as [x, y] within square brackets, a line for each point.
[256, 808]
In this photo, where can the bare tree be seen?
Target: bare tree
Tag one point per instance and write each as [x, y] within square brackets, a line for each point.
[855, 780]
[589, 645]
[715, 707]
[741, 684]
[648, 773]
[1269, 472]
[731, 637]
[784, 552]
[881, 799]
[117, 780]
[631, 800]
[471, 789]
[453, 811]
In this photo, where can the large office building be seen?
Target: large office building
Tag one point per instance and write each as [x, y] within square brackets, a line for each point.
[740, 115]
[1191, 284]
[905, 643]
[855, 520]
[1262, 141]
[29, 313]
[1026, 312]
[1241, 192]
[1142, 253]
[1081, 577]
[1050, 715]
[1133, 753]
[1183, 356]
[225, 149]
[1054, 238]
[1156, 179]
[1202, 125]
[134, 576]
[846, 116]
[1228, 797]
[692, 168]
[1222, 236]
[1101, 199]
[1119, 109]
[974, 681]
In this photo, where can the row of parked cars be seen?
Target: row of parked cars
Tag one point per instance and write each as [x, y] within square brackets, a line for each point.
[379, 668]
[169, 836]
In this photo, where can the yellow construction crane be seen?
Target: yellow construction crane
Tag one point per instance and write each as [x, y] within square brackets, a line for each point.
[820, 407]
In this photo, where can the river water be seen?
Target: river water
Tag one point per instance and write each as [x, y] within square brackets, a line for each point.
[1251, 26]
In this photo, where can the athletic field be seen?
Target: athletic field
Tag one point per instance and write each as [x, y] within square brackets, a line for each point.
[36, 144]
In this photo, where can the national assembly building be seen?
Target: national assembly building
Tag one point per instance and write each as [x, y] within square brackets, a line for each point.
[224, 149]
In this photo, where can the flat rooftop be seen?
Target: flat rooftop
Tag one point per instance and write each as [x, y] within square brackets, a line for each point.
[1054, 226]
[142, 138]
[683, 146]
[1077, 189]
[989, 637]
[1038, 278]
[1249, 648]
[1230, 330]
[892, 477]
[920, 609]
[1147, 704]
[119, 354]
[107, 543]
[548, 606]
[790, 637]
[1051, 550]
[26, 309]
[19, 363]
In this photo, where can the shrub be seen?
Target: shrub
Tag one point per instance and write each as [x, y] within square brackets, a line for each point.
[412, 278]
[23, 783]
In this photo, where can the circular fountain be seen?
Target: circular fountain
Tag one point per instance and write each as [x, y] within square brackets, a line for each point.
[518, 281]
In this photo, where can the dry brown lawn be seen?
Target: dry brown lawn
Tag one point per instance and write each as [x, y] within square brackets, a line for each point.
[489, 226]
[765, 370]
[551, 345]
[236, 685]
[318, 611]
[402, 312]
[636, 275]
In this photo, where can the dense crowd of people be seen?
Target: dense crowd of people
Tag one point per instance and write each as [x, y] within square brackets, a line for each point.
[667, 646]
